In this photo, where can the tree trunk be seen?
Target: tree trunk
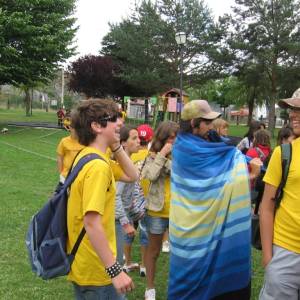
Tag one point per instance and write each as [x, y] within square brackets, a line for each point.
[251, 106]
[272, 115]
[146, 110]
[27, 102]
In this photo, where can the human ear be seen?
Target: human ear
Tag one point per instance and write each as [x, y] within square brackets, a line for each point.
[192, 123]
[96, 127]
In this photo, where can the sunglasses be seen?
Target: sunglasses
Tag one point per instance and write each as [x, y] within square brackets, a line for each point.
[109, 118]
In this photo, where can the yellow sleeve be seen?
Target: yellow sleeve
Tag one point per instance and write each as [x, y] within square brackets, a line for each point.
[95, 186]
[60, 148]
[116, 169]
[274, 170]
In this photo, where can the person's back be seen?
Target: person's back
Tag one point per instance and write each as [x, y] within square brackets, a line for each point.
[261, 145]
[247, 141]
[67, 150]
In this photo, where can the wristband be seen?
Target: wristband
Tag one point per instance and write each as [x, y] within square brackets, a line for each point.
[117, 149]
[114, 270]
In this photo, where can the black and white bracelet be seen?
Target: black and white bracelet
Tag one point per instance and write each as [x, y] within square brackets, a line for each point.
[114, 270]
[118, 149]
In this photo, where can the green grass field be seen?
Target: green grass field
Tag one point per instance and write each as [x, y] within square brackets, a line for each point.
[18, 115]
[27, 178]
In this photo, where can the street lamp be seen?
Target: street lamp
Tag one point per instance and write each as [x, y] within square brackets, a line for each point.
[180, 38]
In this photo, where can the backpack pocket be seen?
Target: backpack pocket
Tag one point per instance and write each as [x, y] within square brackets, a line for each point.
[53, 257]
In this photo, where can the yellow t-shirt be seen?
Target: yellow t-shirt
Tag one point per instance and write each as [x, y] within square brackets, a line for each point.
[93, 190]
[68, 149]
[287, 220]
[140, 157]
[164, 213]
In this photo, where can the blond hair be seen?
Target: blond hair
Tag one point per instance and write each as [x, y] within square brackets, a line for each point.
[219, 124]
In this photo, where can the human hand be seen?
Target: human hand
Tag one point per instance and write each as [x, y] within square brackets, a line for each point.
[123, 283]
[166, 149]
[266, 258]
[129, 230]
[255, 166]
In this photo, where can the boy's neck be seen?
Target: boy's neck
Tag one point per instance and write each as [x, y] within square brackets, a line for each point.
[99, 144]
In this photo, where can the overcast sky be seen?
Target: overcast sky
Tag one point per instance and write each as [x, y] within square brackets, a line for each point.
[94, 15]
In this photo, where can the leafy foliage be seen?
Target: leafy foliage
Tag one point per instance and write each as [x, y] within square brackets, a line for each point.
[35, 36]
[263, 39]
[144, 44]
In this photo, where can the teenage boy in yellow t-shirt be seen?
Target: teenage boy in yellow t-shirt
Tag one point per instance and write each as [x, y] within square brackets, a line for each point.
[95, 273]
[280, 235]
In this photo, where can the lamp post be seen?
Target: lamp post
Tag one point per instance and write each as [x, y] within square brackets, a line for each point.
[180, 38]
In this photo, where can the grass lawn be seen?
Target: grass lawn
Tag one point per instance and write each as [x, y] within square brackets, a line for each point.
[27, 178]
[18, 115]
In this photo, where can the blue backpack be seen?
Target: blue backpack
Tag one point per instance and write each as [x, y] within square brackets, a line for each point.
[48, 233]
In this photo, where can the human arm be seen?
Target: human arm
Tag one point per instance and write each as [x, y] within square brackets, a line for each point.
[60, 163]
[267, 208]
[94, 229]
[266, 220]
[154, 167]
[242, 144]
[130, 172]
[120, 210]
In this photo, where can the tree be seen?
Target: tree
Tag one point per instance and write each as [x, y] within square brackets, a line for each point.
[35, 36]
[265, 34]
[144, 44]
[225, 91]
[97, 76]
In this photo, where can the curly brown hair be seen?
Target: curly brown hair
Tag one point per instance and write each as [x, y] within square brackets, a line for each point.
[262, 137]
[89, 111]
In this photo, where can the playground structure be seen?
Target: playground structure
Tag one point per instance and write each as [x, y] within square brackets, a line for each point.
[156, 109]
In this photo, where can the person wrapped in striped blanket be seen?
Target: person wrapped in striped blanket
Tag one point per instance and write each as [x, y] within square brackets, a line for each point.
[210, 213]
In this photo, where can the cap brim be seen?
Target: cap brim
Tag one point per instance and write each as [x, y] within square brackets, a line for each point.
[212, 115]
[289, 103]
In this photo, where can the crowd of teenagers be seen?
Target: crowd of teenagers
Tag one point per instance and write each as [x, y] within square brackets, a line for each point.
[186, 185]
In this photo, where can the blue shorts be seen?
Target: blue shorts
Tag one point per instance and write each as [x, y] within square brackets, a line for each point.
[143, 234]
[156, 225]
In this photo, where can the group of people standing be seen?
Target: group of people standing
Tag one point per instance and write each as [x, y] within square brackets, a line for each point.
[195, 186]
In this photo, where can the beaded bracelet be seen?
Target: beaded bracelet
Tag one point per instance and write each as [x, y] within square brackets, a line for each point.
[114, 270]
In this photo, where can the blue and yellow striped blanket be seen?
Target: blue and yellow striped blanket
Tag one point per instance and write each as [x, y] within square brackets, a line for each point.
[210, 220]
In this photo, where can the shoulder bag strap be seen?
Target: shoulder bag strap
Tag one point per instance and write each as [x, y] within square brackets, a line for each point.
[286, 158]
[69, 180]
[260, 153]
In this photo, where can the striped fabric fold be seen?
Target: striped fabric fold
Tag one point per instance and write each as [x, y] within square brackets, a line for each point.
[209, 220]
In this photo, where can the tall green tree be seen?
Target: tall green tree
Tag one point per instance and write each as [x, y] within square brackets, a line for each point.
[264, 35]
[35, 37]
[145, 46]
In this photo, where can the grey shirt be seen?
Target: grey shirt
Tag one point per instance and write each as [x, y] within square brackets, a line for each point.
[124, 198]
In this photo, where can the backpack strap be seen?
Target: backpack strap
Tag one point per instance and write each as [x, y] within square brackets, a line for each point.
[261, 155]
[74, 171]
[286, 158]
[69, 180]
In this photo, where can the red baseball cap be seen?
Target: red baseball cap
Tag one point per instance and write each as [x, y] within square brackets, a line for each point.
[145, 132]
